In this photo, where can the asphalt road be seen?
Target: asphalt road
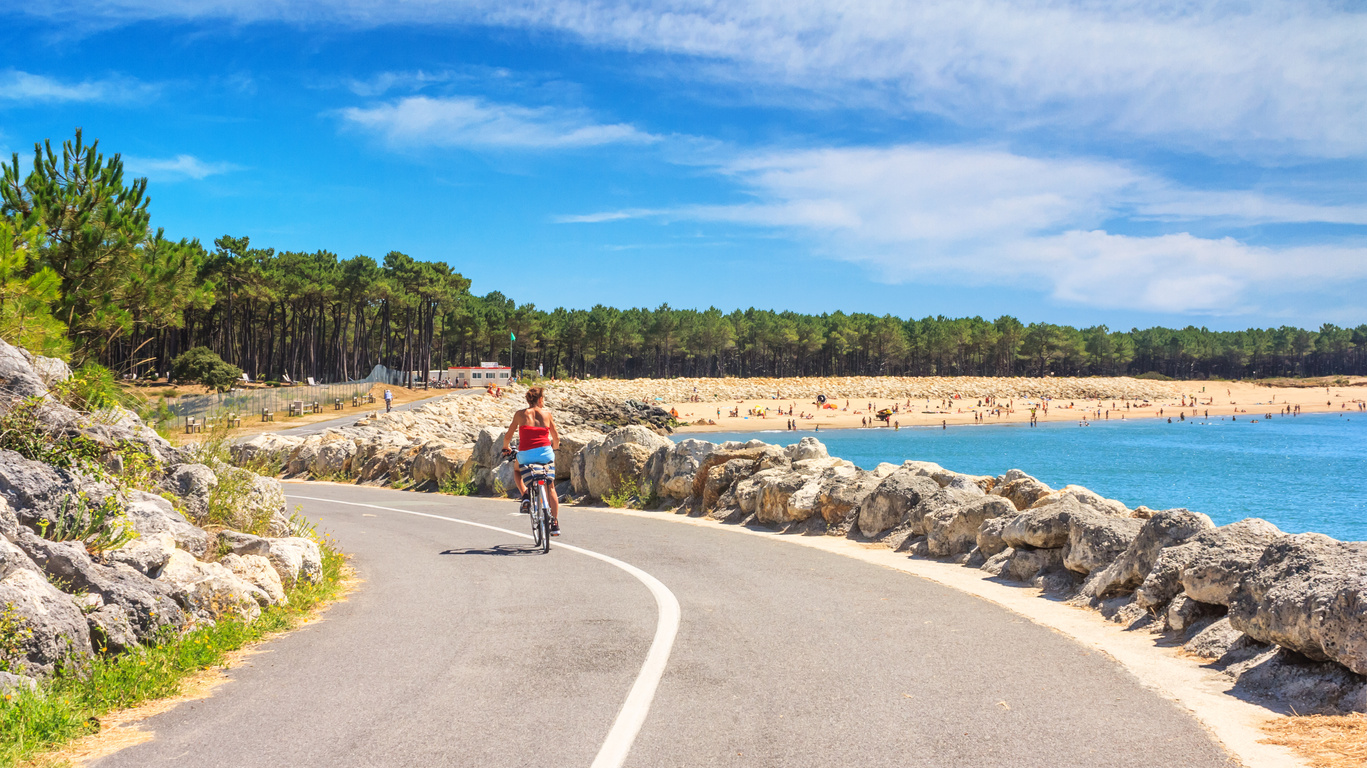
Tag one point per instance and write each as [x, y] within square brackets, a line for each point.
[318, 427]
[462, 648]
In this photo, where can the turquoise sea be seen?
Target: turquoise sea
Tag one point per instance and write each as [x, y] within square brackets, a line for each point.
[1305, 473]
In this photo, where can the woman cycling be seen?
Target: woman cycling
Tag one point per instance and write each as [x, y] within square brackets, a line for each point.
[537, 440]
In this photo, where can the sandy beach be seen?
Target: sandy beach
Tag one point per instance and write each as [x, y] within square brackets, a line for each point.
[1183, 400]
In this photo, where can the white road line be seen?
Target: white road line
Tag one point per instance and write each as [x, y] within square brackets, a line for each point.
[637, 705]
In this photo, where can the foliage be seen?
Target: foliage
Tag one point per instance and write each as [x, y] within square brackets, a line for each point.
[14, 632]
[26, 296]
[92, 387]
[21, 431]
[113, 272]
[203, 365]
[457, 484]
[67, 706]
[100, 526]
[629, 495]
[1154, 376]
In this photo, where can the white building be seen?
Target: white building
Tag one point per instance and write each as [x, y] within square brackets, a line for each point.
[469, 376]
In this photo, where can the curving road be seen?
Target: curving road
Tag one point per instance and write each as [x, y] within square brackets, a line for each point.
[462, 649]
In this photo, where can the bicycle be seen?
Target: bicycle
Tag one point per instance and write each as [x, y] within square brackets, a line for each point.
[537, 481]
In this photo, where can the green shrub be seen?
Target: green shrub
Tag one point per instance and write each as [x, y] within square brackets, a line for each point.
[101, 527]
[629, 495]
[457, 484]
[203, 365]
[14, 632]
[1153, 376]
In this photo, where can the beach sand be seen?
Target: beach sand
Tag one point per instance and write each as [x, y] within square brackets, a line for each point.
[1190, 399]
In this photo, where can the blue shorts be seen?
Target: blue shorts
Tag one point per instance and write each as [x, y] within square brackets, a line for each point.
[543, 455]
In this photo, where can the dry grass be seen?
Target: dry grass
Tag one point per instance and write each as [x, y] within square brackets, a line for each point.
[1326, 742]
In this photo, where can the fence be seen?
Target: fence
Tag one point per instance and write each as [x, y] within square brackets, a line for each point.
[250, 404]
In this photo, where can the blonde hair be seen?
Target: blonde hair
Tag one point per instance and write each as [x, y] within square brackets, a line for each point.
[534, 394]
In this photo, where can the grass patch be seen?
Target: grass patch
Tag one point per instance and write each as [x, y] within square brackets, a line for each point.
[457, 484]
[629, 495]
[68, 705]
[1153, 376]
[1326, 742]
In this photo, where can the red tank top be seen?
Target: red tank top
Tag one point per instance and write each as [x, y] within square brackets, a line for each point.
[532, 437]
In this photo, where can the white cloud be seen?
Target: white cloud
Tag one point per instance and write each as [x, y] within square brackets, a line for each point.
[176, 168]
[1001, 220]
[1277, 75]
[19, 86]
[476, 123]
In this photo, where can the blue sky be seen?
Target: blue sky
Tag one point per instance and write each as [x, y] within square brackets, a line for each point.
[1118, 163]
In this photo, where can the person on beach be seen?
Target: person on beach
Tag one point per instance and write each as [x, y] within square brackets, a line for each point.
[536, 443]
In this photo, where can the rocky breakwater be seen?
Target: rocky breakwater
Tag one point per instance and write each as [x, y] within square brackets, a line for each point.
[1284, 615]
[873, 387]
[453, 442]
[111, 537]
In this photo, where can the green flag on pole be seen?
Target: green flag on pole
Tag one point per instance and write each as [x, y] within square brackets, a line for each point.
[512, 336]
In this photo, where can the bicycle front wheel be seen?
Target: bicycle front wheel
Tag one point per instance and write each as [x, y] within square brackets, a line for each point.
[538, 529]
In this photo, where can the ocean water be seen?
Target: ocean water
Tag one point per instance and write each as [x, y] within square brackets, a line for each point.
[1305, 473]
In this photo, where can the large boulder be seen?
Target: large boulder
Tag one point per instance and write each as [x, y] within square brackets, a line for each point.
[193, 483]
[1165, 529]
[489, 446]
[1024, 565]
[1096, 540]
[843, 492]
[257, 571]
[775, 493]
[621, 457]
[571, 443]
[209, 591]
[706, 487]
[269, 449]
[148, 602]
[1045, 528]
[110, 630]
[293, 557]
[990, 542]
[146, 554]
[436, 459]
[50, 370]
[954, 530]
[33, 490]
[971, 484]
[17, 377]
[806, 448]
[1307, 593]
[12, 558]
[720, 479]
[1214, 561]
[1020, 489]
[333, 458]
[892, 502]
[50, 631]
[1086, 498]
[1223, 557]
[679, 466]
[150, 514]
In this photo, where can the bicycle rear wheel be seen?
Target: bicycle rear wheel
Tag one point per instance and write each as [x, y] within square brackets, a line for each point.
[538, 530]
[545, 516]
